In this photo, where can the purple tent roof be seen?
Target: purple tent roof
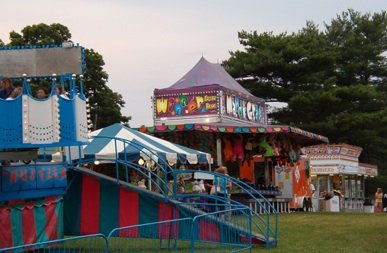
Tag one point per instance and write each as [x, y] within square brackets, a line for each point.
[206, 73]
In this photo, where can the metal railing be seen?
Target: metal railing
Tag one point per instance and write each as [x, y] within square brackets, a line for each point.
[265, 224]
[201, 233]
[95, 243]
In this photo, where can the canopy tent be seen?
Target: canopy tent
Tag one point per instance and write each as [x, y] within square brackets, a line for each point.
[141, 145]
[205, 73]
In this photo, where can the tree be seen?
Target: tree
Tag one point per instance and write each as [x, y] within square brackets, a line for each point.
[40, 34]
[359, 42]
[334, 81]
[276, 66]
[352, 114]
[105, 104]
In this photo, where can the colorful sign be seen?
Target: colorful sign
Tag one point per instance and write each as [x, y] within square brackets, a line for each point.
[243, 109]
[186, 105]
[18, 178]
[324, 170]
[333, 150]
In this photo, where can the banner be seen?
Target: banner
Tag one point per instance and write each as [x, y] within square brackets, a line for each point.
[31, 222]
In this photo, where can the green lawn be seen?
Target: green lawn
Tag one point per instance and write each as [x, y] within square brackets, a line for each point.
[331, 232]
[298, 232]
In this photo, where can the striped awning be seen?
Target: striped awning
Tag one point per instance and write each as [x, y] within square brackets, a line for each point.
[140, 144]
[236, 128]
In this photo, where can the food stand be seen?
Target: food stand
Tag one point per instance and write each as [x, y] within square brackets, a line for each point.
[209, 111]
[335, 169]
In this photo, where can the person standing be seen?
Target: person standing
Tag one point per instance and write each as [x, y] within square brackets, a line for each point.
[313, 200]
[180, 189]
[220, 188]
[378, 201]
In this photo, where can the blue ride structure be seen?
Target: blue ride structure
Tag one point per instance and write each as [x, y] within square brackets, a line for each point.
[31, 191]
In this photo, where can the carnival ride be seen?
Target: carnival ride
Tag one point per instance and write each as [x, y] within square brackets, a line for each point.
[40, 202]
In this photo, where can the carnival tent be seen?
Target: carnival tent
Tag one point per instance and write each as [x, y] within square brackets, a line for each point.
[205, 73]
[139, 145]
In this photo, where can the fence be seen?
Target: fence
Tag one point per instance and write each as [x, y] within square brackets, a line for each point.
[209, 232]
[265, 220]
[96, 243]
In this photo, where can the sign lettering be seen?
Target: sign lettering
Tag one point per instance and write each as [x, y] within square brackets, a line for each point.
[242, 109]
[186, 105]
[16, 178]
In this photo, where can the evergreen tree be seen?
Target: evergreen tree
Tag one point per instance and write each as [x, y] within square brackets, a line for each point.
[334, 81]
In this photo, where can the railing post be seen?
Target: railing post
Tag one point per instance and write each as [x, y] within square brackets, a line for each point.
[107, 244]
[250, 229]
[193, 235]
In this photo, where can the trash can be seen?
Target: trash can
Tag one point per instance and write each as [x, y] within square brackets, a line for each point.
[332, 204]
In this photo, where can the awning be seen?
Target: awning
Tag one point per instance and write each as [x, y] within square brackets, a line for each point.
[141, 145]
[235, 128]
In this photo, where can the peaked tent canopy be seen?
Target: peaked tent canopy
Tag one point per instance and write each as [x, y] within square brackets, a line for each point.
[205, 73]
[142, 145]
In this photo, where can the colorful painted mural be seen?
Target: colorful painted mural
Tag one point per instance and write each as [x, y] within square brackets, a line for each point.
[243, 109]
[186, 105]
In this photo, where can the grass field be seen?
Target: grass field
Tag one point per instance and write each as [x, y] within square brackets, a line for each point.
[298, 232]
[331, 232]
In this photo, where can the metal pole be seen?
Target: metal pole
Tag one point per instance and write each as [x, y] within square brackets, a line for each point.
[219, 150]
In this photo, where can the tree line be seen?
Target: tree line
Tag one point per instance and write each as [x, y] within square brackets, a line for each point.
[334, 79]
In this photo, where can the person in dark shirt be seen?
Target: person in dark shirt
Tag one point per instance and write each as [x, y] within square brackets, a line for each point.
[6, 88]
[384, 201]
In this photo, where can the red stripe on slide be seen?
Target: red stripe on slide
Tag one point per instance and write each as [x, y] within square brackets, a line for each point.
[208, 231]
[28, 221]
[128, 212]
[169, 229]
[89, 205]
[51, 229]
[6, 228]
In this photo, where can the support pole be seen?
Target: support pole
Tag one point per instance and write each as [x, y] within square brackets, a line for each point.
[219, 150]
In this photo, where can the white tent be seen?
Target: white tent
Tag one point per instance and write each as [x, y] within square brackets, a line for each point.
[104, 147]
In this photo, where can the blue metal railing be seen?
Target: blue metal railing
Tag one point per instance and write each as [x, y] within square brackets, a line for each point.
[150, 174]
[266, 224]
[95, 243]
[205, 232]
[201, 233]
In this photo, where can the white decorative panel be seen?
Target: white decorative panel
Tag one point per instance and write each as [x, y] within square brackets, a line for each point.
[81, 119]
[40, 120]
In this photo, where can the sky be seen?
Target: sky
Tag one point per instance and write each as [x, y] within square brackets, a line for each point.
[148, 44]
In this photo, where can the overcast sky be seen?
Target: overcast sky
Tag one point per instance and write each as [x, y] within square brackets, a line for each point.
[148, 44]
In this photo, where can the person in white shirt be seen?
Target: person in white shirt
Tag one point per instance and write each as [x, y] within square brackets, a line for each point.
[313, 197]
